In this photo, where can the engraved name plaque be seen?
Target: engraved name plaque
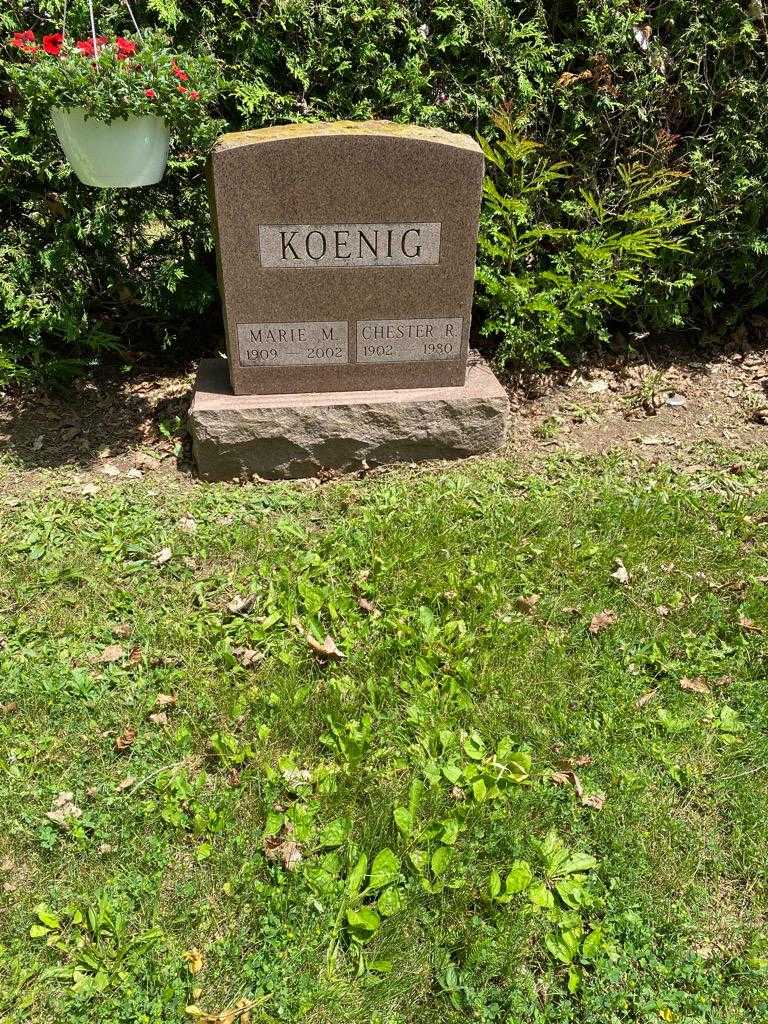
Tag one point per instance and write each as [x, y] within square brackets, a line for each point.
[408, 341]
[323, 246]
[293, 344]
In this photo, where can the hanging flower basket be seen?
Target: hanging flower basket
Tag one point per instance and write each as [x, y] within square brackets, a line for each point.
[116, 103]
[124, 153]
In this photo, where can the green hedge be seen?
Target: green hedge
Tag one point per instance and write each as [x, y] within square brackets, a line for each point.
[83, 270]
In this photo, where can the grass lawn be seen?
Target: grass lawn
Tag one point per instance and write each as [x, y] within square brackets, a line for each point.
[373, 753]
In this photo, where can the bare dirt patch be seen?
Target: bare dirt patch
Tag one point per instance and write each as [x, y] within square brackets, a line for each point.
[105, 426]
[658, 402]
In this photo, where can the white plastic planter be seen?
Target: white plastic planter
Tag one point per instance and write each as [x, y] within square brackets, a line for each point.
[125, 153]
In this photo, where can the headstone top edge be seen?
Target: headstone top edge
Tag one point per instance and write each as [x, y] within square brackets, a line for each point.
[345, 129]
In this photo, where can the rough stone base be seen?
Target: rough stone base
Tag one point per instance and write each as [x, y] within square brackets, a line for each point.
[291, 436]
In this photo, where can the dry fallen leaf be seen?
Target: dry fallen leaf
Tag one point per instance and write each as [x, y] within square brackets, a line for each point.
[568, 78]
[188, 524]
[64, 809]
[125, 739]
[283, 849]
[325, 650]
[159, 718]
[123, 629]
[647, 697]
[695, 685]
[125, 783]
[602, 620]
[111, 654]
[642, 34]
[595, 800]
[568, 777]
[247, 657]
[297, 777]
[749, 625]
[165, 700]
[193, 958]
[457, 793]
[147, 461]
[88, 490]
[527, 603]
[580, 761]
[368, 607]
[163, 556]
[240, 1013]
[663, 611]
[620, 575]
[241, 605]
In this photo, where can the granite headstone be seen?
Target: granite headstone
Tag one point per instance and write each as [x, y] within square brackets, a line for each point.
[346, 255]
[346, 258]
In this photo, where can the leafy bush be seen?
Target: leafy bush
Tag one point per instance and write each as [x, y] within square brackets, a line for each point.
[674, 87]
[545, 286]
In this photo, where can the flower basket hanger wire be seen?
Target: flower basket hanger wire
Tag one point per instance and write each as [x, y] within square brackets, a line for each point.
[93, 26]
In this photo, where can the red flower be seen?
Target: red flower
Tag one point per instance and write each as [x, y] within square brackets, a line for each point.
[194, 94]
[125, 48]
[183, 88]
[85, 46]
[181, 75]
[150, 94]
[52, 44]
[24, 41]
